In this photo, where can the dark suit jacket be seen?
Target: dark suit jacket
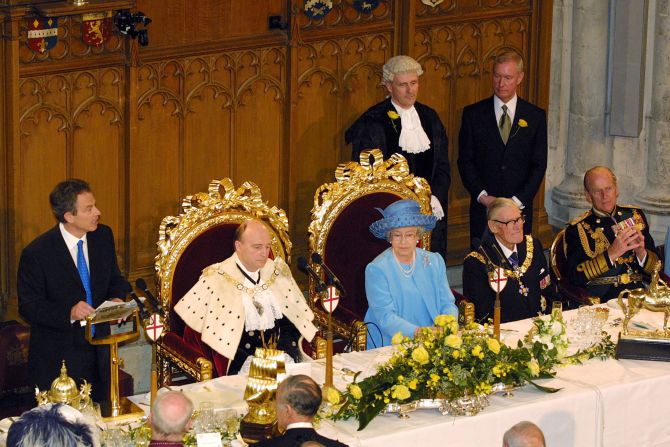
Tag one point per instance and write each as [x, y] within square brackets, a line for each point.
[513, 304]
[486, 163]
[296, 436]
[48, 286]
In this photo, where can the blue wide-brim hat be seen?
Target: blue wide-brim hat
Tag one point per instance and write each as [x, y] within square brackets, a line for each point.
[400, 214]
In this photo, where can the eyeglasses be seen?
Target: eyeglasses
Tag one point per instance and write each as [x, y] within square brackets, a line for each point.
[404, 236]
[520, 219]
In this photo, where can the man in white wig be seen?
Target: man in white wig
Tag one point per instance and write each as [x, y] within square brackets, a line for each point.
[400, 124]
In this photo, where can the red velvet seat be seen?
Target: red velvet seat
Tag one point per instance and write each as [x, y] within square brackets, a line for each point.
[203, 235]
[339, 232]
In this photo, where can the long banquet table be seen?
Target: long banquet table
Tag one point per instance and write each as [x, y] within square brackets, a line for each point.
[601, 403]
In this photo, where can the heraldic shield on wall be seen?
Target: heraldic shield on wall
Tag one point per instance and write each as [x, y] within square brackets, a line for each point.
[42, 33]
[96, 28]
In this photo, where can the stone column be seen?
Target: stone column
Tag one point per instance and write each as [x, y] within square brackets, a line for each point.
[586, 143]
[655, 197]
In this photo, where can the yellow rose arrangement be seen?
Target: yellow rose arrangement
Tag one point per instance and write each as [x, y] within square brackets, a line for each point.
[448, 362]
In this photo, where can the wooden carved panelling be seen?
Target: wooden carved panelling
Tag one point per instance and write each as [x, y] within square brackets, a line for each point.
[70, 44]
[463, 7]
[216, 93]
[180, 22]
[337, 79]
[202, 118]
[70, 126]
[344, 14]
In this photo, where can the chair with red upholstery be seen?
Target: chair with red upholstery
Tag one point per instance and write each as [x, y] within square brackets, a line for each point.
[339, 232]
[203, 234]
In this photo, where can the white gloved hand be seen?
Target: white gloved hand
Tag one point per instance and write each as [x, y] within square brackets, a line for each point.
[437, 207]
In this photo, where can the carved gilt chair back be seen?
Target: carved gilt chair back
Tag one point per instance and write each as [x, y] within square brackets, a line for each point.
[339, 231]
[203, 234]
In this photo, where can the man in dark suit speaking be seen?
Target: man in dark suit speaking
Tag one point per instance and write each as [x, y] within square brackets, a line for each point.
[64, 274]
[502, 146]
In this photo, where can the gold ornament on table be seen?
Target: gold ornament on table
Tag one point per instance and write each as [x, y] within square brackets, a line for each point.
[64, 391]
[645, 344]
[656, 298]
[266, 367]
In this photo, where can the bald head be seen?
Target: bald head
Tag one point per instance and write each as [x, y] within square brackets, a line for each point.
[524, 434]
[252, 244]
[600, 186]
[171, 416]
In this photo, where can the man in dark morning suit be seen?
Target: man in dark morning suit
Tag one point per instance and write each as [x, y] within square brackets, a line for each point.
[502, 146]
[529, 290]
[400, 124]
[52, 291]
[609, 248]
[297, 401]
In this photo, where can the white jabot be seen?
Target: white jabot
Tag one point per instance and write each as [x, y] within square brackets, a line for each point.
[436, 207]
[413, 138]
[254, 320]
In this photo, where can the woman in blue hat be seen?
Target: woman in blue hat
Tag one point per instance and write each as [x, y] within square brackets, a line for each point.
[406, 286]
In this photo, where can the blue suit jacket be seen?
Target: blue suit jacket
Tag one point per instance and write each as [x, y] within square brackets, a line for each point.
[390, 306]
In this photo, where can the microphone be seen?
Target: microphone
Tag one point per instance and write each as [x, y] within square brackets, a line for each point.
[141, 284]
[331, 279]
[140, 305]
[304, 267]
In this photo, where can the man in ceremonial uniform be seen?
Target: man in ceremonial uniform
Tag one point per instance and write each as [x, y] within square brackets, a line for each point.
[502, 146]
[528, 289]
[609, 248]
[248, 301]
[63, 275]
[400, 124]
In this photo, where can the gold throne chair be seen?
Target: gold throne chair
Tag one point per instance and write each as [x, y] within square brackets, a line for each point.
[338, 232]
[203, 234]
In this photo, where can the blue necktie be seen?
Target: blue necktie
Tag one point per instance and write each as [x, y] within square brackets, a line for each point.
[514, 259]
[82, 268]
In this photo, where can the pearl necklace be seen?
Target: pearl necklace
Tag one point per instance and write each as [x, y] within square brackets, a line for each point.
[407, 273]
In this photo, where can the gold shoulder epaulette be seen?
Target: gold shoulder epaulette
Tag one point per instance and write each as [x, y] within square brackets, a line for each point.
[477, 256]
[629, 206]
[580, 218]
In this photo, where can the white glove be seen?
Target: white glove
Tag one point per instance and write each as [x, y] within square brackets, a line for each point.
[437, 207]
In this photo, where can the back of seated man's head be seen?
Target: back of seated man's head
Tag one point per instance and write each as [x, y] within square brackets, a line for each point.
[524, 434]
[53, 425]
[170, 416]
[302, 394]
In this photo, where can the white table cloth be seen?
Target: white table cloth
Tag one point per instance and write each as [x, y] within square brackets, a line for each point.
[611, 403]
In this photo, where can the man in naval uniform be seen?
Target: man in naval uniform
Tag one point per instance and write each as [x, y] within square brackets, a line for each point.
[247, 301]
[609, 248]
[529, 288]
[400, 124]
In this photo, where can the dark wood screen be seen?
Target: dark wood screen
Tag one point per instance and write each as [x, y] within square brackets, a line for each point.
[216, 93]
